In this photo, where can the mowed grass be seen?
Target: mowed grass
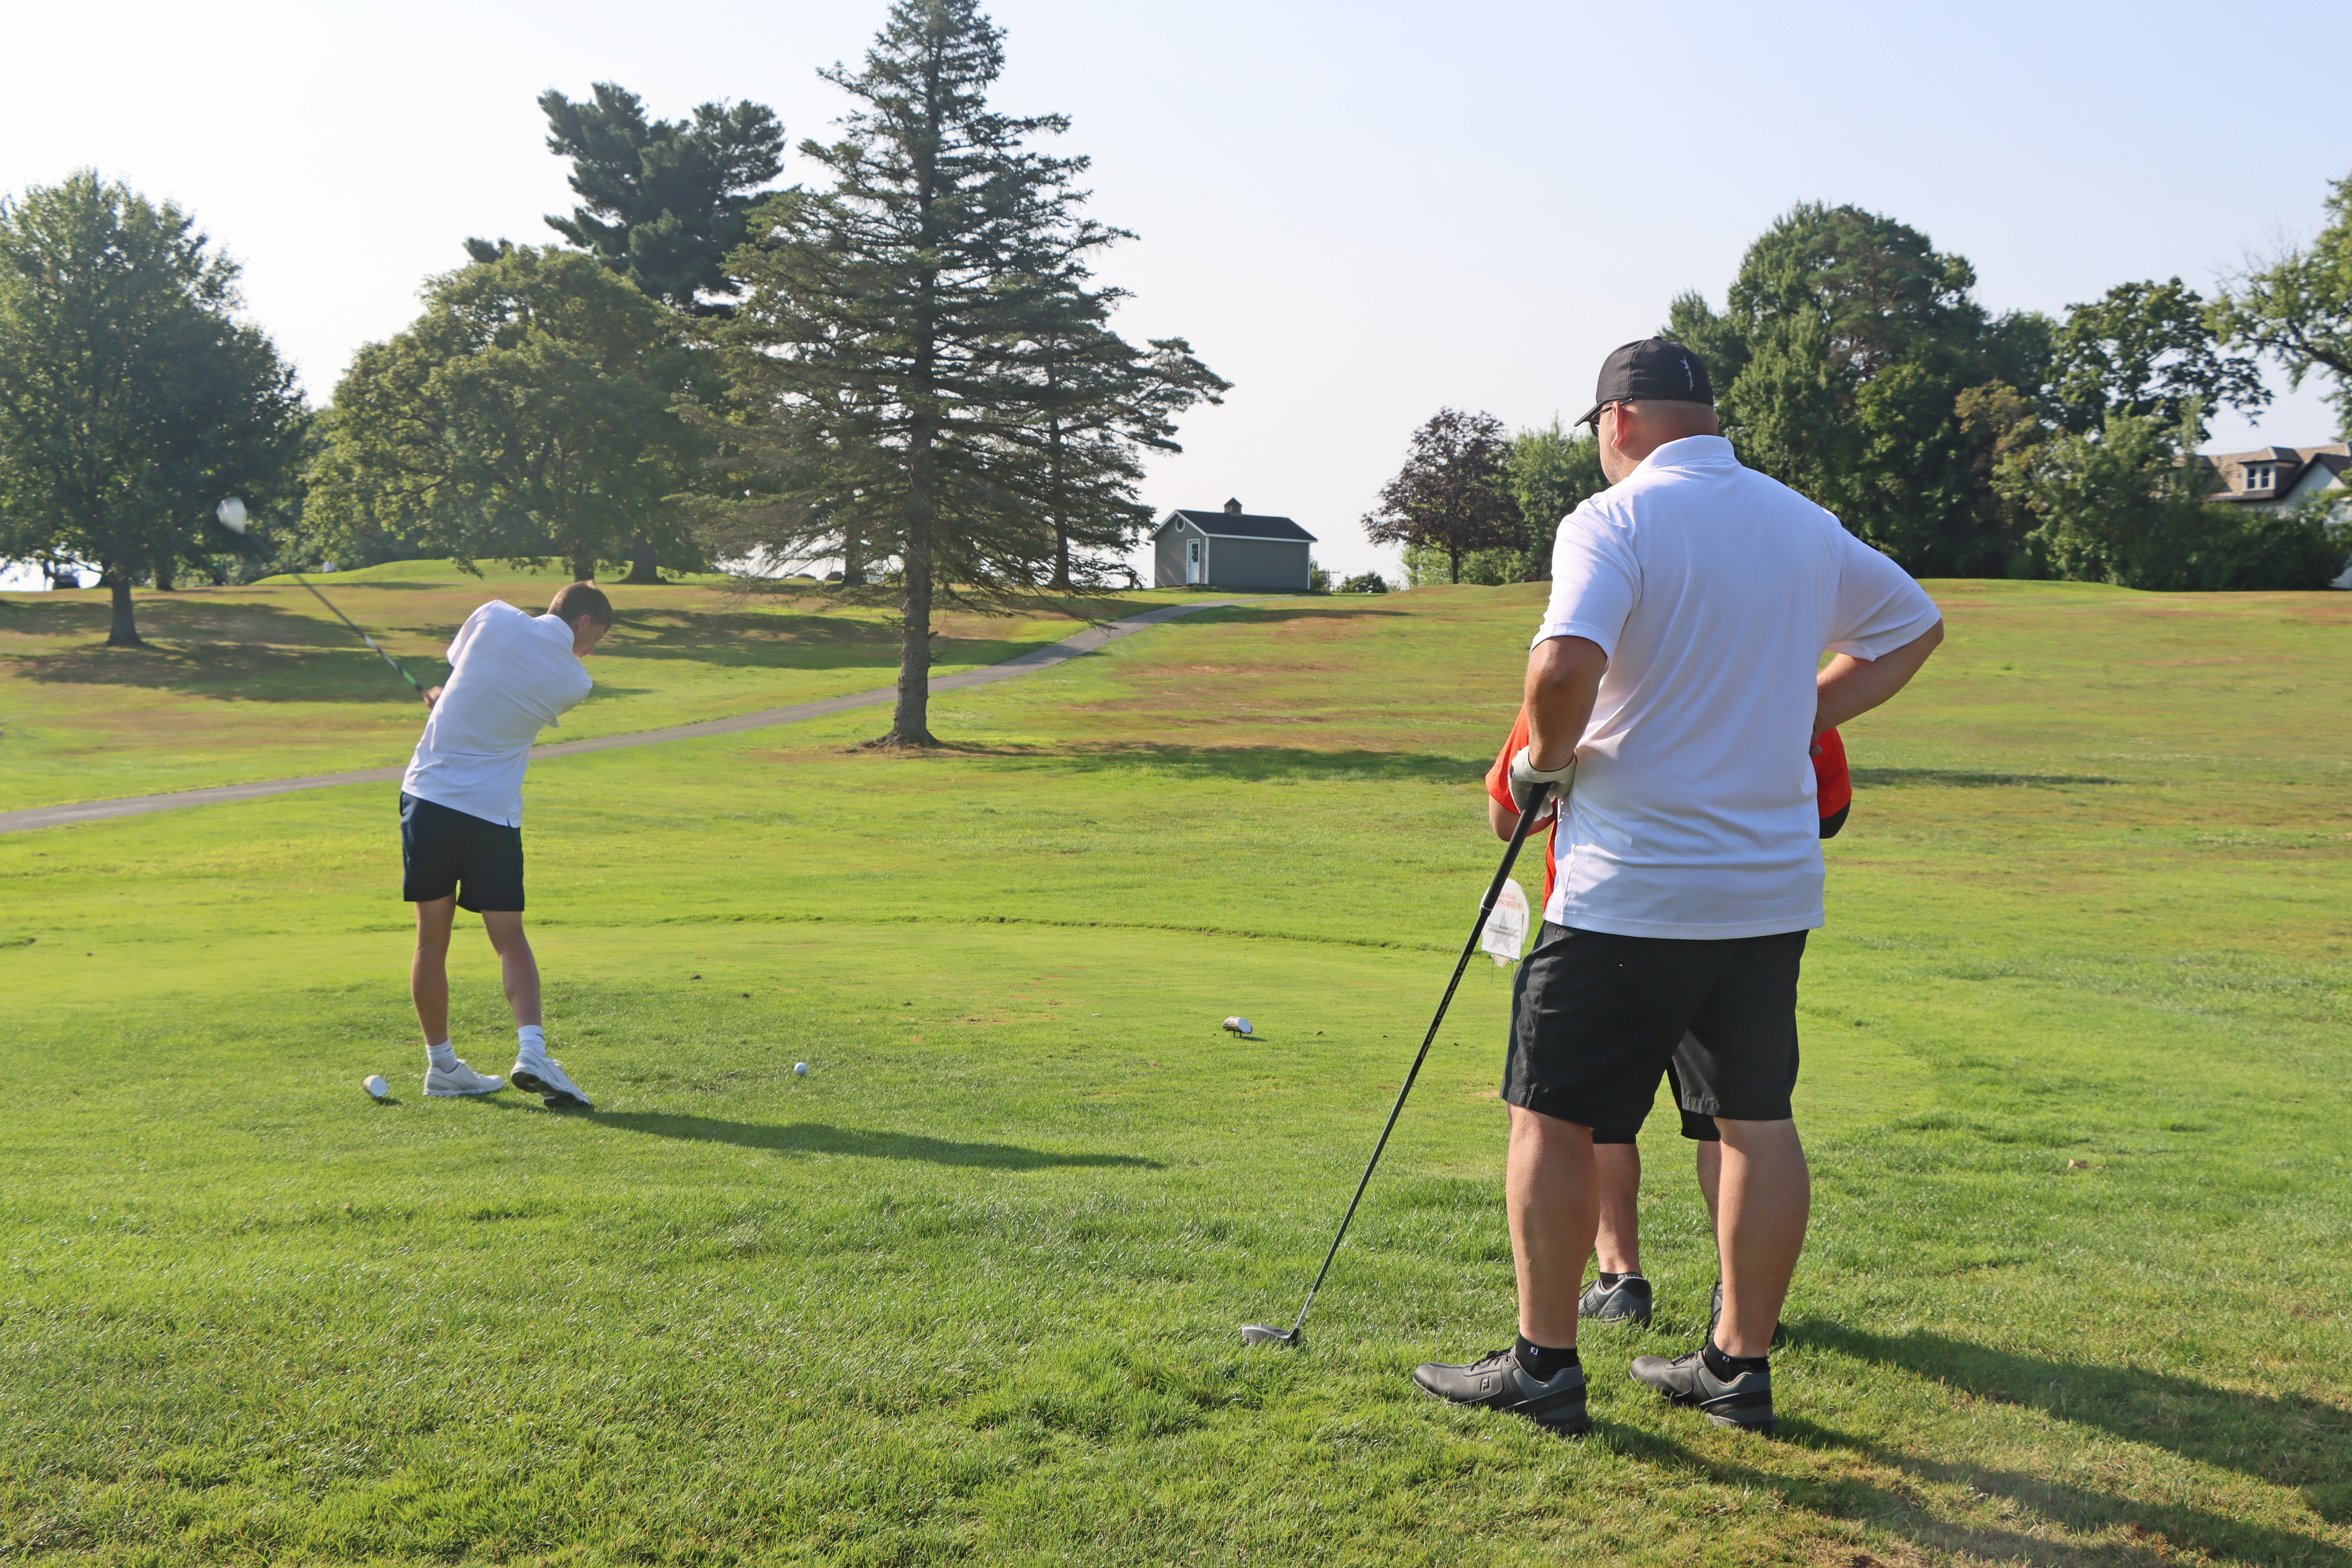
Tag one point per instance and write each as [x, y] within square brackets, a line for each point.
[262, 681]
[2075, 1053]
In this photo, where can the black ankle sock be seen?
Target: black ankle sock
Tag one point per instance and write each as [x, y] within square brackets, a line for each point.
[1543, 1363]
[1728, 1367]
[1609, 1281]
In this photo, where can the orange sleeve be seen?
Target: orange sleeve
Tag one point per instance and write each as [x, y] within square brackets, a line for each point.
[1498, 781]
[1833, 785]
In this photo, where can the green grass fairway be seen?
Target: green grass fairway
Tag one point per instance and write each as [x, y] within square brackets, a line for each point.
[263, 682]
[2080, 1288]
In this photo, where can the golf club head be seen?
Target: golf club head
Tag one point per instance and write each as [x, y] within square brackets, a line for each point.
[1259, 1334]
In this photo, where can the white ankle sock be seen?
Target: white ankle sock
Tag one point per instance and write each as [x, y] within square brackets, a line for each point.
[530, 1043]
[444, 1055]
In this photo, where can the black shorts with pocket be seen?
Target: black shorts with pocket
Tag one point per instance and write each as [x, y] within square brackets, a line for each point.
[1598, 1018]
[444, 851]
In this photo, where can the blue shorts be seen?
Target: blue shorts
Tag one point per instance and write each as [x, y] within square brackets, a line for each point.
[444, 852]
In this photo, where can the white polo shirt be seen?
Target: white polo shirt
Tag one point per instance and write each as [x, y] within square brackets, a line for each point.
[1713, 591]
[510, 673]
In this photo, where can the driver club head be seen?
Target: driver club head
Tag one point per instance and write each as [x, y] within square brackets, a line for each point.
[1260, 1334]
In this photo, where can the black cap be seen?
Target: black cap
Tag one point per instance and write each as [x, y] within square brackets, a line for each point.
[1652, 368]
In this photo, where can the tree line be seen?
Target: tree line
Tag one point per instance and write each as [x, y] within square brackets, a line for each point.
[906, 366]
[1852, 363]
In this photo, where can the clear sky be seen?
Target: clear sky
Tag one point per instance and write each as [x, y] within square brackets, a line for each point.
[1357, 211]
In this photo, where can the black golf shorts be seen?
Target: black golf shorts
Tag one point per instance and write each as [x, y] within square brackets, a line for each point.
[444, 852]
[1597, 1019]
[1698, 1128]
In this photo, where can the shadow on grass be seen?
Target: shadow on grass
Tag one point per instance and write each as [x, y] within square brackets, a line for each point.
[1251, 615]
[2289, 1441]
[1889, 1500]
[230, 670]
[817, 1138]
[1955, 778]
[1256, 763]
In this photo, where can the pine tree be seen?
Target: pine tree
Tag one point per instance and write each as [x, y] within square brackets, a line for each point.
[905, 364]
[662, 201]
[1101, 405]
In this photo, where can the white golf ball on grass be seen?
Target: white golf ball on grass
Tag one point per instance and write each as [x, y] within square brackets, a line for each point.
[800, 1070]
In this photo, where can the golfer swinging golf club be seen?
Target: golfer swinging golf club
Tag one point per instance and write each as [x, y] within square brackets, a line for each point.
[1676, 681]
[510, 672]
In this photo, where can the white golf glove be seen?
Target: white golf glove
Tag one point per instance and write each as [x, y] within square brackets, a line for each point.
[1526, 779]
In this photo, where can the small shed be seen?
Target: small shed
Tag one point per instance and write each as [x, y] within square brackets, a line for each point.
[1230, 549]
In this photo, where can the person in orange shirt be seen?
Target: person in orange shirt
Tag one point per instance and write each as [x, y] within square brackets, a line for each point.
[1622, 1293]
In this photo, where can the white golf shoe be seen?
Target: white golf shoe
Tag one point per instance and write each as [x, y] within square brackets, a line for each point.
[543, 1076]
[448, 1083]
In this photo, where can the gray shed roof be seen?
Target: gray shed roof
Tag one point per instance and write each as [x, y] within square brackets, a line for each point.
[1241, 525]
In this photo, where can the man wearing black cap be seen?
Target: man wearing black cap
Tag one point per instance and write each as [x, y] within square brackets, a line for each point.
[1671, 693]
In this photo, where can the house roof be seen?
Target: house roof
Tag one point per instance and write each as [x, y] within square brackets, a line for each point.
[2288, 465]
[1241, 525]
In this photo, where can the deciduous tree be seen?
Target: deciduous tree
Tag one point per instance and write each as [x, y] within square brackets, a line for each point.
[2146, 350]
[1552, 470]
[1454, 492]
[1848, 338]
[2300, 306]
[2126, 505]
[131, 399]
[526, 415]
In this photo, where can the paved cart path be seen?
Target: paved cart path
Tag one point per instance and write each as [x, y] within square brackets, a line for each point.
[1038, 658]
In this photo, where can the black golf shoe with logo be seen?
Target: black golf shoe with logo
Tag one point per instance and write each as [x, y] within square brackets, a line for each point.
[1497, 1382]
[1745, 1400]
[1627, 1301]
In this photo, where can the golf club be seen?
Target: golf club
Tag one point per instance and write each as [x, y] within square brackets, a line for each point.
[1263, 1334]
[231, 515]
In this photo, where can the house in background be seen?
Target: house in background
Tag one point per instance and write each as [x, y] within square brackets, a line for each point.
[2274, 478]
[1230, 549]
[2271, 478]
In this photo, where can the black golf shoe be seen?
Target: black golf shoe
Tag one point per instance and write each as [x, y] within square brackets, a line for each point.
[1499, 1383]
[1627, 1301]
[1745, 1402]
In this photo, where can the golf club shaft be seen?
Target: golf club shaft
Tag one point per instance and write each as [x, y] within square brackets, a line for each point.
[363, 635]
[1470, 948]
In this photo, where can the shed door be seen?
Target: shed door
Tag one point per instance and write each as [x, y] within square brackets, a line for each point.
[1192, 561]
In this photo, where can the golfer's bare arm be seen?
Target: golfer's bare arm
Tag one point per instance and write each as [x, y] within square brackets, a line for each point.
[1563, 678]
[1848, 687]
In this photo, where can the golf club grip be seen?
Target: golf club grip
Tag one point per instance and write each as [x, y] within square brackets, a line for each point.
[1486, 908]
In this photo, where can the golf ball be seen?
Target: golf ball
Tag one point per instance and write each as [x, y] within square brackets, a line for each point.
[800, 1070]
[374, 1083]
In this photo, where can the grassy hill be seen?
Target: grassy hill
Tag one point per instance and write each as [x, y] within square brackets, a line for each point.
[2076, 1048]
[262, 681]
